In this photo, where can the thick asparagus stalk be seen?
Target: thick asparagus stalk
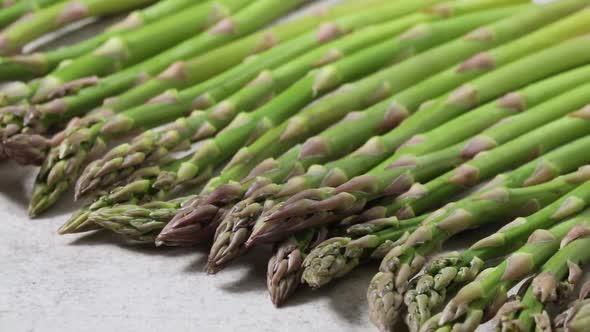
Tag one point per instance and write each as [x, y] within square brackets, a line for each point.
[285, 266]
[555, 283]
[37, 64]
[43, 116]
[383, 178]
[541, 245]
[448, 272]
[14, 37]
[131, 48]
[12, 12]
[350, 100]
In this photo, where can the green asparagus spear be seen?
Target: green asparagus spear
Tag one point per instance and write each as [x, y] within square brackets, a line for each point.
[12, 12]
[28, 66]
[131, 48]
[48, 19]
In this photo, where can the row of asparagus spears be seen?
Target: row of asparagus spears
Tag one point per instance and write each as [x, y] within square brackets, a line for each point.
[368, 130]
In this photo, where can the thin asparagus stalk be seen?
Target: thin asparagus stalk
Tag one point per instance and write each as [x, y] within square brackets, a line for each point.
[298, 95]
[444, 274]
[28, 66]
[285, 266]
[555, 283]
[338, 256]
[343, 102]
[14, 37]
[137, 222]
[43, 116]
[383, 178]
[541, 245]
[131, 48]
[575, 318]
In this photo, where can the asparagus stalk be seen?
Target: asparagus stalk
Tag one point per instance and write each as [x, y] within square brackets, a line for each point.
[11, 12]
[555, 282]
[136, 222]
[350, 100]
[428, 292]
[295, 97]
[541, 245]
[575, 317]
[383, 179]
[14, 37]
[338, 256]
[28, 66]
[285, 266]
[131, 48]
[249, 19]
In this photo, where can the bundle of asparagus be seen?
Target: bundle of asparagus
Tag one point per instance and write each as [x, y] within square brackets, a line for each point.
[367, 130]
